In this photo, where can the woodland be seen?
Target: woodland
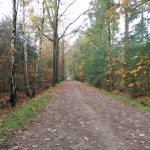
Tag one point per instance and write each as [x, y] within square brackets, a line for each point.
[112, 50]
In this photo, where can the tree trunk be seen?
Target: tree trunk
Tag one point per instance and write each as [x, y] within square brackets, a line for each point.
[55, 61]
[13, 96]
[25, 54]
[55, 45]
[126, 44]
[109, 53]
[63, 61]
[142, 27]
[126, 49]
[39, 56]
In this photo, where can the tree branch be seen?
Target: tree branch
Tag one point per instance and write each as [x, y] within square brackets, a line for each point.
[45, 35]
[67, 9]
[139, 5]
[71, 24]
[49, 16]
[75, 30]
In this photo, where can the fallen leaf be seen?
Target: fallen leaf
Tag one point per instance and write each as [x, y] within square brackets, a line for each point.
[146, 147]
[34, 146]
[15, 148]
[86, 138]
[120, 127]
[132, 134]
[141, 134]
[49, 129]
[37, 135]
[81, 122]
[27, 133]
[96, 128]
[142, 142]
[53, 130]
[47, 139]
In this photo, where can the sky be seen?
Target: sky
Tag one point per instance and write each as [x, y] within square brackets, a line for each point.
[78, 7]
[73, 12]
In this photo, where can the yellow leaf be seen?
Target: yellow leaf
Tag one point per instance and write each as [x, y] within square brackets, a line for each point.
[133, 71]
[131, 85]
[148, 62]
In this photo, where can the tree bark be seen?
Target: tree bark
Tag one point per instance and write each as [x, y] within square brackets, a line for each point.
[126, 44]
[142, 26]
[126, 49]
[109, 53]
[55, 45]
[63, 61]
[13, 95]
[39, 56]
[25, 54]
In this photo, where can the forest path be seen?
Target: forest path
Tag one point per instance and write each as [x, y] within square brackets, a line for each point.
[81, 118]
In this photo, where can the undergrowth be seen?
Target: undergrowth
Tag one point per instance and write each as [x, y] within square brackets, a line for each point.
[21, 115]
[126, 100]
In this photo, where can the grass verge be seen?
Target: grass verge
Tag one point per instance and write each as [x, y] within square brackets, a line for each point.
[125, 100]
[21, 115]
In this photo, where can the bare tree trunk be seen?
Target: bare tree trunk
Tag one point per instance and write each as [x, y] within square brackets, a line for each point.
[25, 54]
[142, 26]
[109, 53]
[126, 47]
[39, 55]
[63, 60]
[126, 35]
[55, 61]
[55, 45]
[13, 96]
[110, 59]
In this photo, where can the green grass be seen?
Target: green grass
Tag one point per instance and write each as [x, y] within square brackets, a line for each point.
[21, 115]
[126, 100]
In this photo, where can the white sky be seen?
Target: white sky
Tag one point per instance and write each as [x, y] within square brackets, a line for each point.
[76, 9]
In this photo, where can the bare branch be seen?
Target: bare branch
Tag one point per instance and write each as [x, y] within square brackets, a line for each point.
[71, 24]
[75, 30]
[67, 8]
[45, 35]
[6, 16]
[139, 5]
[49, 15]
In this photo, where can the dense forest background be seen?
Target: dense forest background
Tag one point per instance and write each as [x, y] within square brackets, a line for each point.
[114, 52]
[111, 52]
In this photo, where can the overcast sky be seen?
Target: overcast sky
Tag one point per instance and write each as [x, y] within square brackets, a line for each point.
[78, 7]
[73, 12]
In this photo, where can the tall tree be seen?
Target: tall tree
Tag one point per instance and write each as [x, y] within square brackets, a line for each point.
[25, 52]
[13, 96]
[54, 17]
[39, 51]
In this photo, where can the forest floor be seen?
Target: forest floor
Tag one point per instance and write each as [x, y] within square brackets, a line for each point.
[78, 117]
[5, 106]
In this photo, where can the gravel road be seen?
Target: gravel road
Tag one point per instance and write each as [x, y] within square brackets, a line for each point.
[80, 118]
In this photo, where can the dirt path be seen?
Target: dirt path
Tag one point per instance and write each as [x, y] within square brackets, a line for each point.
[80, 118]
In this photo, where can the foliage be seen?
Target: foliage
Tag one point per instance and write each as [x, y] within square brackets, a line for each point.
[109, 61]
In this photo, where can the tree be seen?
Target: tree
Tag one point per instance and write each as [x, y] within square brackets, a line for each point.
[39, 52]
[111, 61]
[25, 53]
[54, 17]
[13, 96]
